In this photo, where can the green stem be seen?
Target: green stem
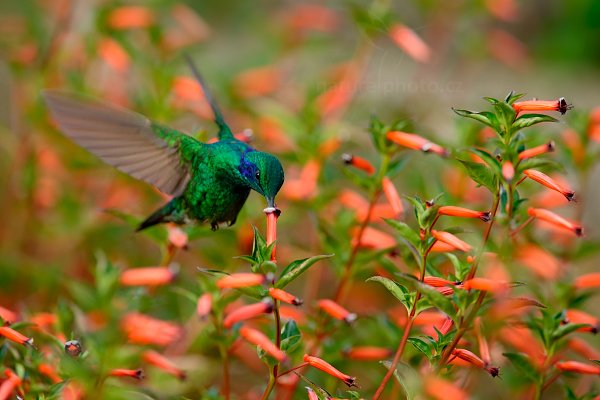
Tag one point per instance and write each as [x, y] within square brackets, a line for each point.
[340, 292]
[407, 328]
[464, 324]
[275, 370]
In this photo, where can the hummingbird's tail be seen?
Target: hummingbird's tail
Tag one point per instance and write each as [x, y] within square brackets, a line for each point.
[170, 212]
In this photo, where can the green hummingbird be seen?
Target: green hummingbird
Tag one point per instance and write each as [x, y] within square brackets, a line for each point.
[208, 182]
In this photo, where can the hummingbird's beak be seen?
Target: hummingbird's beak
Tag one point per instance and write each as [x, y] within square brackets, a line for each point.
[271, 202]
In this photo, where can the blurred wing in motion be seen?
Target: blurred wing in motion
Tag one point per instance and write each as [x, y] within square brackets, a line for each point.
[124, 139]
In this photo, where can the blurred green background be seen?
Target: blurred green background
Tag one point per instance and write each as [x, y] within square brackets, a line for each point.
[268, 63]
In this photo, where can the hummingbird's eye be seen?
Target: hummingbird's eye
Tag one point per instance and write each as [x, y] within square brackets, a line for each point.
[257, 175]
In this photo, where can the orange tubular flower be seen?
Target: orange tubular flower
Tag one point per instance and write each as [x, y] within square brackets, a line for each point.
[142, 329]
[587, 281]
[508, 171]
[246, 312]
[580, 317]
[441, 247]
[358, 162]
[272, 214]
[410, 42]
[49, 371]
[9, 385]
[484, 349]
[375, 239]
[149, 276]
[261, 340]
[368, 353]
[15, 336]
[583, 348]
[8, 315]
[536, 151]
[178, 238]
[114, 55]
[132, 373]
[578, 367]
[452, 240]
[162, 362]
[441, 389]
[311, 394]
[454, 211]
[437, 282]
[487, 285]
[416, 142]
[204, 305]
[284, 296]
[559, 105]
[539, 261]
[392, 196]
[243, 279]
[330, 369]
[336, 311]
[471, 358]
[555, 220]
[446, 326]
[129, 17]
[550, 183]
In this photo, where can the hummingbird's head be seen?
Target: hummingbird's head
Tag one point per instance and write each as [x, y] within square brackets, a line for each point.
[263, 173]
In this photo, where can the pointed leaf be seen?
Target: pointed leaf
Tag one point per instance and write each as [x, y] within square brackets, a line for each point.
[290, 336]
[564, 330]
[394, 288]
[506, 115]
[527, 120]
[489, 159]
[404, 231]
[434, 297]
[481, 174]
[523, 365]
[512, 97]
[296, 268]
[485, 117]
[422, 346]
[407, 377]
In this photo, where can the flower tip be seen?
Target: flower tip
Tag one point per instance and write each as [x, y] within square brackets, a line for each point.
[563, 106]
[351, 382]
[493, 371]
[578, 231]
[350, 318]
[486, 216]
[272, 210]
[347, 158]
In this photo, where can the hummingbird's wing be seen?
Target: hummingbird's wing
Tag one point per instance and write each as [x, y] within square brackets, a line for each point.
[224, 130]
[124, 139]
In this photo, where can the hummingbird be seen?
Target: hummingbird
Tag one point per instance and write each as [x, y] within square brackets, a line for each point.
[209, 182]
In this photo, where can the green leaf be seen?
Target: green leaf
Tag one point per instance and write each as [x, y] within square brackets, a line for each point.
[422, 346]
[491, 100]
[527, 120]
[481, 174]
[290, 336]
[434, 297]
[489, 159]
[512, 97]
[404, 231]
[564, 330]
[398, 291]
[506, 116]
[485, 117]
[296, 268]
[407, 377]
[523, 365]
[537, 163]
